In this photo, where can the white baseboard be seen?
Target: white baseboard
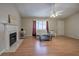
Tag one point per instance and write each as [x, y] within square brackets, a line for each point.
[71, 37]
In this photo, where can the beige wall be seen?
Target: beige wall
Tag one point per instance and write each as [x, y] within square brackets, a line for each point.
[27, 25]
[6, 9]
[72, 26]
[60, 27]
[28, 22]
[9, 9]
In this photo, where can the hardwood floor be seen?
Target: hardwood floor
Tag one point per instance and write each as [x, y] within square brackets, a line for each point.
[59, 46]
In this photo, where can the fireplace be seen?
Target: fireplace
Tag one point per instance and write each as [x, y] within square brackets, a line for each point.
[13, 38]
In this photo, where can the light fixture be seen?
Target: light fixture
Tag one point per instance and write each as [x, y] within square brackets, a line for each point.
[56, 14]
[53, 12]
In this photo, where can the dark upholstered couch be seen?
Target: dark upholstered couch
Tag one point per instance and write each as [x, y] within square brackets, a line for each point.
[44, 37]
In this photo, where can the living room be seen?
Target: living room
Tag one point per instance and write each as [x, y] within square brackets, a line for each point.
[49, 29]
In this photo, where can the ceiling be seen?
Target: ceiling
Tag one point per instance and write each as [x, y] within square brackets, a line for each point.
[43, 9]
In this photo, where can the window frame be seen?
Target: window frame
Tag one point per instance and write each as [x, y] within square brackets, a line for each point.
[38, 24]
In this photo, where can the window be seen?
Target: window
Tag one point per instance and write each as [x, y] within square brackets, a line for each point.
[41, 25]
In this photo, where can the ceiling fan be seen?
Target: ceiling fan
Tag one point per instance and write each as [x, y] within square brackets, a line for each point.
[53, 12]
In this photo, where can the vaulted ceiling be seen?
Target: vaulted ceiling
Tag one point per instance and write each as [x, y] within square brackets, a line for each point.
[43, 9]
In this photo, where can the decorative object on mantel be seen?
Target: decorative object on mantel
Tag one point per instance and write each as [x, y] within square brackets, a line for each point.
[9, 20]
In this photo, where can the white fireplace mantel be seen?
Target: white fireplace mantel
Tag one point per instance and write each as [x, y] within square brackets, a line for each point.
[9, 28]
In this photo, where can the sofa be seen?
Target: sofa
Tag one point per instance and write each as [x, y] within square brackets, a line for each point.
[44, 36]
